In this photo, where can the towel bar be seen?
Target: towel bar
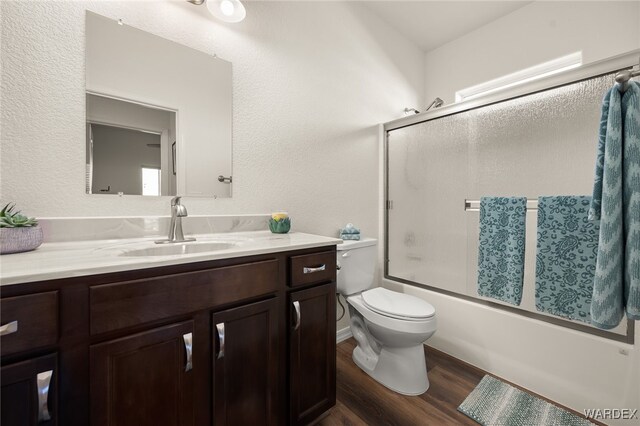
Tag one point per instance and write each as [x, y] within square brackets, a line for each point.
[474, 205]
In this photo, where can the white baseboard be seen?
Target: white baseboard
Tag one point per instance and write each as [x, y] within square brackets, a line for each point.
[343, 334]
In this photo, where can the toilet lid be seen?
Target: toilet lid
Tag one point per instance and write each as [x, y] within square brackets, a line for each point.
[397, 305]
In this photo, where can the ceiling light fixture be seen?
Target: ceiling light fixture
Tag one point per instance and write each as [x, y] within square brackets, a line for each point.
[224, 10]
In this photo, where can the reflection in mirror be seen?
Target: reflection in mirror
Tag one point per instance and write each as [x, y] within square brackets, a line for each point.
[154, 127]
[129, 148]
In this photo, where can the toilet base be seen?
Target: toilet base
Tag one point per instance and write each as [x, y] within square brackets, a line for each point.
[403, 370]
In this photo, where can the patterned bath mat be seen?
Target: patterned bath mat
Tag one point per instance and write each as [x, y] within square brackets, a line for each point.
[495, 403]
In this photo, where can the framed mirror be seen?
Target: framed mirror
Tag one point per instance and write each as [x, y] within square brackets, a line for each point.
[158, 115]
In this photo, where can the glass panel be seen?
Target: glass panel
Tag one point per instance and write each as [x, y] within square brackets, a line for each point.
[118, 155]
[535, 145]
[428, 177]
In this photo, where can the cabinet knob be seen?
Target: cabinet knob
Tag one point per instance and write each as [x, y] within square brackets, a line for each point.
[296, 306]
[43, 383]
[188, 347]
[220, 328]
[8, 328]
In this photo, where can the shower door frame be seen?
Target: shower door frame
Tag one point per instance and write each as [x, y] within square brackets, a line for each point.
[586, 72]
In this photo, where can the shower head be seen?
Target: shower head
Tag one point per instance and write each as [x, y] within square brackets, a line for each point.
[437, 103]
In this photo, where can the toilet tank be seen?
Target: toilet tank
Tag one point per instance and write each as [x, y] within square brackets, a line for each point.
[357, 262]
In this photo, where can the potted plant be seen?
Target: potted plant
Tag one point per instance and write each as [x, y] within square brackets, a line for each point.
[18, 232]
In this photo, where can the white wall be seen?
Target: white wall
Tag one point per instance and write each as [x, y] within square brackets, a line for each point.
[573, 368]
[310, 83]
[536, 33]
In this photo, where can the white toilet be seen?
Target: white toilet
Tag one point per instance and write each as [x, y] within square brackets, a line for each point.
[390, 327]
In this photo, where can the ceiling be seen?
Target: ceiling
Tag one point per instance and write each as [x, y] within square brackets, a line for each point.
[430, 24]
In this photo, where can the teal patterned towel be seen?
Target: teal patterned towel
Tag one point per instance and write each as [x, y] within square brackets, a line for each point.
[616, 203]
[501, 248]
[631, 199]
[566, 257]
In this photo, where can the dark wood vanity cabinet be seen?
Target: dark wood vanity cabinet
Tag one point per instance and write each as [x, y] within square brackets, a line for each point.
[312, 353]
[144, 379]
[29, 392]
[246, 367]
[207, 343]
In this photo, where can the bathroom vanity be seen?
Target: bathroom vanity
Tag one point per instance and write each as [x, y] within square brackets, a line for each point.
[242, 336]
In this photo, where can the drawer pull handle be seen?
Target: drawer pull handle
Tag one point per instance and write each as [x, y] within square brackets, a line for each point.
[9, 328]
[220, 327]
[320, 268]
[44, 380]
[296, 306]
[188, 346]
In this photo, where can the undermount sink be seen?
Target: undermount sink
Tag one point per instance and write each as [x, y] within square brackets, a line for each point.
[178, 249]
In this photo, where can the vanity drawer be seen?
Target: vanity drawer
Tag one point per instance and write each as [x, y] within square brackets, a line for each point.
[28, 322]
[127, 304]
[312, 268]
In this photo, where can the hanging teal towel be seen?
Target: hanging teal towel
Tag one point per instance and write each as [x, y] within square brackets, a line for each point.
[616, 203]
[631, 180]
[501, 248]
[566, 257]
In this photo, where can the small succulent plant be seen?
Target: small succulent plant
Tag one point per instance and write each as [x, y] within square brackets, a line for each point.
[13, 219]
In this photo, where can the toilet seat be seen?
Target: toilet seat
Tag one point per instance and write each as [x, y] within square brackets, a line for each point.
[399, 324]
[397, 305]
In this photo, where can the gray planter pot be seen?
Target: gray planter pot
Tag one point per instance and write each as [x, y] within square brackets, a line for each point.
[17, 240]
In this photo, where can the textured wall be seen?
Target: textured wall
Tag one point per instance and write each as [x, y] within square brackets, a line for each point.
[538, 32]
[311, 82]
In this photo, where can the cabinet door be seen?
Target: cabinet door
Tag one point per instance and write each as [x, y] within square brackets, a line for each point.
[312, 353]
[29, 394]
[245, 370]
[144, 379]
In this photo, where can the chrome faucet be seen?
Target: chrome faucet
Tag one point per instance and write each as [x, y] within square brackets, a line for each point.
[176, 235]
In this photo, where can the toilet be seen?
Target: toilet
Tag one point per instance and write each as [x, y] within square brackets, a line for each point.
[389, 327]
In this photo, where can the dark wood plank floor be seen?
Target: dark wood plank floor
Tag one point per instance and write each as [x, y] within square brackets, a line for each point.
[363, 401]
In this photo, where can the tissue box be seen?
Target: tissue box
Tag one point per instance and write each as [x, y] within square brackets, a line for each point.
[355, 237]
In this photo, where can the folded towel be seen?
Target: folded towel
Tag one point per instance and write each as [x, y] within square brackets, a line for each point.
[501, 248]
[355, 237]
[566, 257]
[349, 229]
[616, 203]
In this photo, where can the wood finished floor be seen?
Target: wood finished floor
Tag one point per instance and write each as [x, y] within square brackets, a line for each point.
[363, 401]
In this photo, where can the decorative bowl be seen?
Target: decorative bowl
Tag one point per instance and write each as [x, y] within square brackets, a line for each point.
[18, 240]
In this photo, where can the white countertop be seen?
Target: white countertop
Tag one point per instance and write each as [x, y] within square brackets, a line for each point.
[82, 258]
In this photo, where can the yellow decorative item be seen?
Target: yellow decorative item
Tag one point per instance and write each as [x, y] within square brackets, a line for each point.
[279, 216]
[279, 223]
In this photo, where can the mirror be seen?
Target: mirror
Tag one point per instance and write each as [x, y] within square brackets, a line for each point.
[159, 115]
